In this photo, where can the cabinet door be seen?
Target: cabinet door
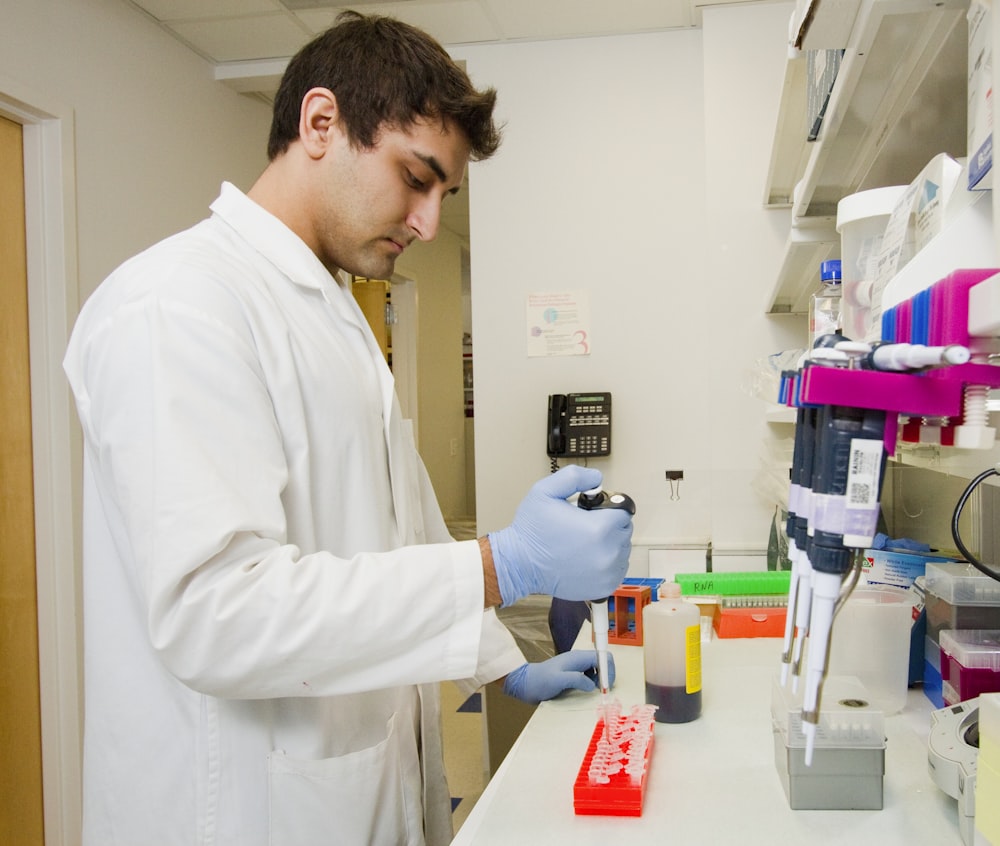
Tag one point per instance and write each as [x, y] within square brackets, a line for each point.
[371, 295]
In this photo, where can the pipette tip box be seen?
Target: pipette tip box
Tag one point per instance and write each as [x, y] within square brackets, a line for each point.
[619, 789]
[970, 664]
[750, 616]
[848, 763]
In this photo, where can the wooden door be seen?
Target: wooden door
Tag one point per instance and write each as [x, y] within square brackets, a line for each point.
[371, 297]
[21, 815]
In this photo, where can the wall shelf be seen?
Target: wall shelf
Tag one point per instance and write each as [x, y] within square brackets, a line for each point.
[806, 248]
[897, 102]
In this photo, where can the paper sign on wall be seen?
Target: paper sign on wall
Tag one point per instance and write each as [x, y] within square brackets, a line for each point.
[559, 323]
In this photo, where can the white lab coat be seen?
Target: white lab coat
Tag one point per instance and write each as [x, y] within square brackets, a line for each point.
[270, 593]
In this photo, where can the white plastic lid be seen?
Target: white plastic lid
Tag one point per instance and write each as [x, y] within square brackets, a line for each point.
[670, 590]
[973, 648]
[865, 204]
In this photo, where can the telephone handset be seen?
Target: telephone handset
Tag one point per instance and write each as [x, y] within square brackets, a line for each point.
[579, 425]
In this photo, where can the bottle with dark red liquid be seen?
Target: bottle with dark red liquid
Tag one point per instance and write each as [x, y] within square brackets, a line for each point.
[672, 656]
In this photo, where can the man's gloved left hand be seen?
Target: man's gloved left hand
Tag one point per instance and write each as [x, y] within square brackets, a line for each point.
[533, 683]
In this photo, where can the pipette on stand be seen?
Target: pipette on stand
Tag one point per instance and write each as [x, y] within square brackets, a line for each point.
[850, 461]
[799, 511]
[849, 464]
[593, 500]
[904, 357]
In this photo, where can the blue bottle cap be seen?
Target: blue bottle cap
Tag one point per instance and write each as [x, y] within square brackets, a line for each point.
[829, 270]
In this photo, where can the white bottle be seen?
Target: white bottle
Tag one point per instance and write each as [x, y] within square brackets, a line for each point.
[825, 306]
[672, 656]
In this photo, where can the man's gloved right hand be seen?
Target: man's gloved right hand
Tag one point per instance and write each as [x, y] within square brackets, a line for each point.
[553, 547]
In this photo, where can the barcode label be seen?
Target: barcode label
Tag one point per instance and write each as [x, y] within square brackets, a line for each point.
[859, 494]
[863, 473]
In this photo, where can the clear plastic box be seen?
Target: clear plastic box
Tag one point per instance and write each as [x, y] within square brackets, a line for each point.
[849, 760]
[970, 664]
[960, 597]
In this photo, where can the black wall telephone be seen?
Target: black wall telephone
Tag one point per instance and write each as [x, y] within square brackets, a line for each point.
[579, 425]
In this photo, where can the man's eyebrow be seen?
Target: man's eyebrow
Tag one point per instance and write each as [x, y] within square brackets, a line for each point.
[435, 166]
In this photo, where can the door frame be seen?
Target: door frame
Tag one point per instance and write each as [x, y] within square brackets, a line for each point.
[404, 347]
[53, 303]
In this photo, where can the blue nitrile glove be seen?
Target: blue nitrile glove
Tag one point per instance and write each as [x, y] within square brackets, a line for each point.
[883, 541]
[533, 683]
[555, 548]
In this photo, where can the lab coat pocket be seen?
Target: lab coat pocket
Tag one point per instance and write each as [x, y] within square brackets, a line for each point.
[369, 797]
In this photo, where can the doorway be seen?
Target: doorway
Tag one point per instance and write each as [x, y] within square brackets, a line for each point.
[47, 212]
[21, 804]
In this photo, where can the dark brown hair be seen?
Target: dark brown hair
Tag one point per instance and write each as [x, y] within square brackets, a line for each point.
[383, 72]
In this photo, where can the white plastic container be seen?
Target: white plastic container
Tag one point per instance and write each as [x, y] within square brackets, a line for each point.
[861, 221]
[871, 640]
[672, 656]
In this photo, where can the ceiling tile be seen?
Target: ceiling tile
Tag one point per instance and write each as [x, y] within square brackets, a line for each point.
[241, 39]
[178, 10]
[562, 18]
[449, 21]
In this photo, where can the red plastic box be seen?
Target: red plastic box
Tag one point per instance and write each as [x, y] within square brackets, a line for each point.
[761, 621]
[970, 663]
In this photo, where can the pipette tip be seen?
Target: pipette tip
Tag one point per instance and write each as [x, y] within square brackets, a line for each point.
[809, 730]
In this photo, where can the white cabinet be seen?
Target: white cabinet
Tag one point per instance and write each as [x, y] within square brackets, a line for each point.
[899, 100]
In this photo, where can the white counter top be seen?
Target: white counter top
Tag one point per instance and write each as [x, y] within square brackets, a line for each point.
[710, 781]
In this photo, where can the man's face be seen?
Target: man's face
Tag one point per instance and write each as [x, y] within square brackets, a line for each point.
[376, 202]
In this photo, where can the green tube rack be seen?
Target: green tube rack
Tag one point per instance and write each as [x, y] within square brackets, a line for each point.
[733, 584]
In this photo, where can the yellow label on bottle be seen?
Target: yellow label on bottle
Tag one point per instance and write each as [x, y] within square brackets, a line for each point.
[692, 664]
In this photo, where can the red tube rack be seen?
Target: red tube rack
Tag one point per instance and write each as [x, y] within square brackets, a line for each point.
[619, 797]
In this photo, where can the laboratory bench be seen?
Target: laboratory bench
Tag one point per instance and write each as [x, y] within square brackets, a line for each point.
[710, 781]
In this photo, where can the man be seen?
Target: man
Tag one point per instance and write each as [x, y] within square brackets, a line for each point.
[270, 593]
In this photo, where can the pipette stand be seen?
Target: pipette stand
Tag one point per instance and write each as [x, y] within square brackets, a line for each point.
[612, 777]
[938, 316]
[946, 403]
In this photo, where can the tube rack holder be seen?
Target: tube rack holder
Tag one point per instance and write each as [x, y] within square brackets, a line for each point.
[620, 797]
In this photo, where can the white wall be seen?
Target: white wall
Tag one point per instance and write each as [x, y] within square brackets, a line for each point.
[127, 139]
[633, 169]
[155, 134]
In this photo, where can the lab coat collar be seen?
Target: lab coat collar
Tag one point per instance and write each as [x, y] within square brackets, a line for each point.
[281, 247]
[271, 238]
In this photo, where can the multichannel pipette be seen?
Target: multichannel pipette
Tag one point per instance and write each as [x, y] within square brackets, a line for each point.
[593, 500]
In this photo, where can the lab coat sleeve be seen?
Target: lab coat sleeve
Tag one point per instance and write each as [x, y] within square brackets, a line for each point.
[182, 439]
[499, 653]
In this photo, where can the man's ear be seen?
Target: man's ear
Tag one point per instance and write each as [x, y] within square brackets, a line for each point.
[318, 121]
